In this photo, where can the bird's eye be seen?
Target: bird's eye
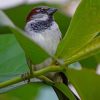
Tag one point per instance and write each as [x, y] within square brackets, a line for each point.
[43, 10]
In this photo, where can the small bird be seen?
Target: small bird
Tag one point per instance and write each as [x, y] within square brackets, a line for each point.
[42, 28]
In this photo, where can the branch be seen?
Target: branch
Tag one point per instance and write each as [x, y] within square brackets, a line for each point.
[37, 74]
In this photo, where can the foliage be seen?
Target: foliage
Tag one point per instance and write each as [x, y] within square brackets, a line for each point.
[81, 43]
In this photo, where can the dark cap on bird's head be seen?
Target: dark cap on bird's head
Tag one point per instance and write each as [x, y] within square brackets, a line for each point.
[41, 10]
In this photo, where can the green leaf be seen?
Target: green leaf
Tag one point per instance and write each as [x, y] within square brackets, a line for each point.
[89, 50]
[97, 57]
[5, 30]
[84, 27]
[30, 47]
[65, 90]
[86, 82]
[26, 92]
[12, 58]
[89, 62]
[4, 20]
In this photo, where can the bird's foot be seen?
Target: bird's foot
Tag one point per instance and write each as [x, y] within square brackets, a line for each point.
[26, 76]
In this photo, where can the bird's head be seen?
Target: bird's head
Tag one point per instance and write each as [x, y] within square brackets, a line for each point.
[41, 13]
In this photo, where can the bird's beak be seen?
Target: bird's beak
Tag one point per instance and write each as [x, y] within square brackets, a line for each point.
[51, 11]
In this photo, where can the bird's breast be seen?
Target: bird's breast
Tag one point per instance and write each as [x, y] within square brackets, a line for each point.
[47, 39]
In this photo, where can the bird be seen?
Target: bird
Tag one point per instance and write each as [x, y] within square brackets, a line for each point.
[43, 29]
